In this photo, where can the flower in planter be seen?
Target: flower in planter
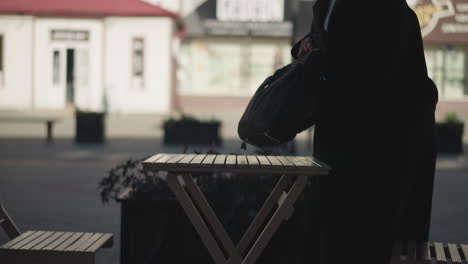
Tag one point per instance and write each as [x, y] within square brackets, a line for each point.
[449, 134]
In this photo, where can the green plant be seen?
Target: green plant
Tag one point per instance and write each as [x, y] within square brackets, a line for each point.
[452, 117]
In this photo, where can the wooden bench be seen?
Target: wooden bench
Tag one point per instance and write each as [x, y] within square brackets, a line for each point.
[49, 247]
[411, 252]
[49, 122]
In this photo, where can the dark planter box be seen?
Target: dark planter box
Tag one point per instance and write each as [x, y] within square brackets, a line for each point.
[449, 137]
[191, 132]
[159, 232]
[90, 127]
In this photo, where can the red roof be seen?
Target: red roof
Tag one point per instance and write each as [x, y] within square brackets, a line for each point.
[83, 8]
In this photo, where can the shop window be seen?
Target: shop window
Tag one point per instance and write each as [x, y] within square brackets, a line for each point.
[233, 68]
[2, 70]
[138, 62]
[56, 67]
[447, 67]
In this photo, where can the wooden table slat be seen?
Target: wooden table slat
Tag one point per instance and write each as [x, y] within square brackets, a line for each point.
[220, 161]
[175, 159]
[65, 244]
[48, 241]
[440, 253]
[286, 162]
[242, 161]
[454, 255]
[209, 159]
[154, 158]
[165, 158]
[253, 161]
[17, 239]
[98, 244]
[464, 249]
[187, 159]
[197, 160]
[79, 242]
[27, 240]
[85, 245]
[275, 162]
[297, 161]
[236, 164]
[36, 241]
[264, 161]
[231, 161]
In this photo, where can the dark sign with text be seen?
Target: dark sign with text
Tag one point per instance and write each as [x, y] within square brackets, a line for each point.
[442, 21]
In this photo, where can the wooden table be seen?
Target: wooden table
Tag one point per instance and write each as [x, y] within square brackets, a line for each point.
[294, 170]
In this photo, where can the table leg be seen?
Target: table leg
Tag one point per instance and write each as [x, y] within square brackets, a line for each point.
[196, 219]
[212, 219]
[264, 212]
[275, 221]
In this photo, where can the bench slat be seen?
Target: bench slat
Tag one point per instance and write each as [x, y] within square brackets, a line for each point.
[25, 241]
[440, 253]
[89, 242]
[79, 242]
[48, 241]
[58, 241]
[36, 241]
[102, 241]
[65, 244]
[17, 239]
[454, 255]
[464, 249]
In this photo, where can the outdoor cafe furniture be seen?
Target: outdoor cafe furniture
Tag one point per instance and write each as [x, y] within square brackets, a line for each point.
[411, 252]
[49, 247]
[295, 172]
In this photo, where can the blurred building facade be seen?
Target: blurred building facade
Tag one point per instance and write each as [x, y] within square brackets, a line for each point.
[229, 48]
[444, 26]
[114, 55]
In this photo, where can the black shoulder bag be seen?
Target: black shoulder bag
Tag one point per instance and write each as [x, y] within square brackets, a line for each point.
[284, 103]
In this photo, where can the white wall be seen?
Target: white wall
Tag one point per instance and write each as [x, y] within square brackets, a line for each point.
[15, 88]
[123, 95]
[88, 94]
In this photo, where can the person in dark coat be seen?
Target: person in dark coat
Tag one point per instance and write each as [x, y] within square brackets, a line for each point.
[375, 128]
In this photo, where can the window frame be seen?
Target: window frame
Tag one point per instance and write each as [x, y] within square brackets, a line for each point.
[133, 76]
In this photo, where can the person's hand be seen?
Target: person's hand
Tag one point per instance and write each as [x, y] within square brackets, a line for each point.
[306, 47]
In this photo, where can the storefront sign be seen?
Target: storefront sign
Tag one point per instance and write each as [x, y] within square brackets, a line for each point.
[257, 29]
[69, 35]
[442, 21]
[250, 10]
